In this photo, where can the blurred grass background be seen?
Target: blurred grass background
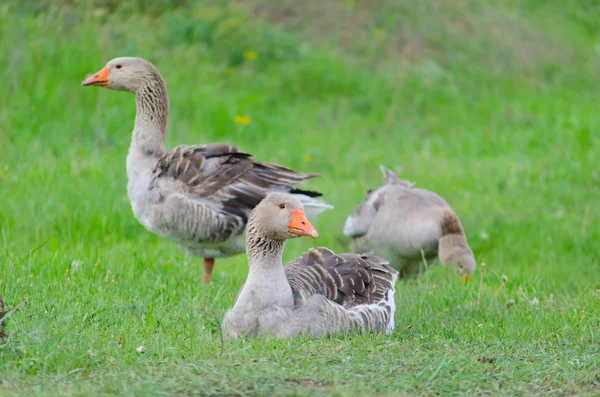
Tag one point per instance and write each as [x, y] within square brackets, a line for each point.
[492, 105]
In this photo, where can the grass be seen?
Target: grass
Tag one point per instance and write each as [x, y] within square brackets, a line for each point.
[495, 107]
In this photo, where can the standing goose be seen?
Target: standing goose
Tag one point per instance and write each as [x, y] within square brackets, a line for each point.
[318, 293]
[405, 224]
[197, 196]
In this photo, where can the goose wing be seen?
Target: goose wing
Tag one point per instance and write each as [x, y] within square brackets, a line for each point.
[221, 182]
[346, 279]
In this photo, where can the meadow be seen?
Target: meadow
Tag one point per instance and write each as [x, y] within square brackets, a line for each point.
[493, 106]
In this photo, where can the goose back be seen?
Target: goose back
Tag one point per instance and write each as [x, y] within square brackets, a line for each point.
[346, 279]
[228, 182]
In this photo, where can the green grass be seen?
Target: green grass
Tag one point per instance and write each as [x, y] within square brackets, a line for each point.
[495, 107]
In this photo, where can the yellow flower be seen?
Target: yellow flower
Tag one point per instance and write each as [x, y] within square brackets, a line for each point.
[464, 279]
[379, 33]
[307, 158]
[249, 55]
[241, 120]
[100, 12]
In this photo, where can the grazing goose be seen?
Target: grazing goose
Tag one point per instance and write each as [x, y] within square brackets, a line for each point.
[198, 196]
[405, 224]
[318, 293]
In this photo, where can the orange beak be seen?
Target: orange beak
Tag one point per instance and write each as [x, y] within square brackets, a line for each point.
[300, 226]
[99, 79]
[464, 279]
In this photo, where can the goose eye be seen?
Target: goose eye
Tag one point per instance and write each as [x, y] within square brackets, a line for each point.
[118, 66]
[282, 206]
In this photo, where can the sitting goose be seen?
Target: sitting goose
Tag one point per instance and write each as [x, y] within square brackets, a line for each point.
[198, 196]
[318, 293]
[405, 224]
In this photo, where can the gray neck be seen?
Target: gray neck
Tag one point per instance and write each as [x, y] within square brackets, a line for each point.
[267, 284]
[152, 105]
[264, 254]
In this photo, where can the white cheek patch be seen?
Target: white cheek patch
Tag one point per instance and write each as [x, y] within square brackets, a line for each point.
[349, 227]
[357, 225]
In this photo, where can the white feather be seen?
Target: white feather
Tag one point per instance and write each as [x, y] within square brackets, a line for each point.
[312, 206]
[392, 303]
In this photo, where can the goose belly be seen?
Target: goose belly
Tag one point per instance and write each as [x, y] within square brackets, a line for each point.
[187, 241]
[142, 199]
[234, 245]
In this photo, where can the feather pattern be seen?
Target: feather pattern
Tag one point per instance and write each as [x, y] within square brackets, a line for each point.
[343, 292]
[318, 293]
[213, 188]
[346, 279]
[221, 173]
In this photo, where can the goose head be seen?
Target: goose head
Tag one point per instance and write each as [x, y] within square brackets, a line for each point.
[280, 217]
[124, 74]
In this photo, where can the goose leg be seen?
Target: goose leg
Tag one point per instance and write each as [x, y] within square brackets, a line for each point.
[208, 268]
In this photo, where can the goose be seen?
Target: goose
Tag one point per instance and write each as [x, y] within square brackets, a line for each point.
[318, 293]
[406, 225]
[199, 196]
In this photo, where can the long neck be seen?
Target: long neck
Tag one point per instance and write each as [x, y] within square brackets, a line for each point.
[267, 285]
[152, 105]
[264, 256]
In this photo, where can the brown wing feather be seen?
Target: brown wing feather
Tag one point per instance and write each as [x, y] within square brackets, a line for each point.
[347, 279]
[232, 180]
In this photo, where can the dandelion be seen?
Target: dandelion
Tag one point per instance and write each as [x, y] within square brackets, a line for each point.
[250, 55]
[100, 12]
[307, 158]
[241, 120]
[379, 33]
